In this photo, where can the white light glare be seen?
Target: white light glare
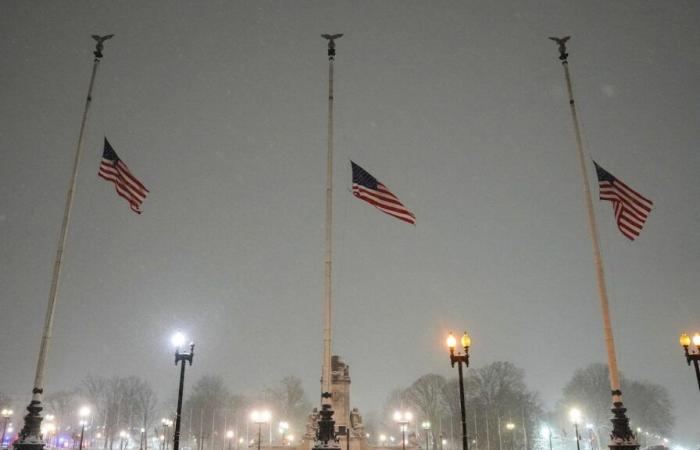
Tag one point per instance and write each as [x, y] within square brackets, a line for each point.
[178, 339]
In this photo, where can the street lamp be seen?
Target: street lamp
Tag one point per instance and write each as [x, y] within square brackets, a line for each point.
[382, 439]
[167, 423]
[142, 440]
[124, 438]
[575, 416]
[466, 342]
[48, 428]
[547, 434]
[84, 412]
[283, 427]
[693, 356]
[403, 419]
[179, 339]
[510, 426]
[6, 414]
[426, 426]
[229, 436]
[259, 418]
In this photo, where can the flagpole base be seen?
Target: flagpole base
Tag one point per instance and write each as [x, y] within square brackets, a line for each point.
[30, 437]
[621, 437]
[325, 434]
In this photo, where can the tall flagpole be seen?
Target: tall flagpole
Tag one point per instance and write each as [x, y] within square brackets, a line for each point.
[327, 330]
[30, 436]
[621, 435]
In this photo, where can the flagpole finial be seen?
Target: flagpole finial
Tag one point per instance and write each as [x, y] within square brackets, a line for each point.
[563, 56]
[331, 44]
[100, 44]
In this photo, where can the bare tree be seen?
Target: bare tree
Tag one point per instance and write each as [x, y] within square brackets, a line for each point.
[495, 395]
[289, 401]
[395, 400]
[208, 402]
[64, 405]
[649, 404]
[119, 403]
[427, 395]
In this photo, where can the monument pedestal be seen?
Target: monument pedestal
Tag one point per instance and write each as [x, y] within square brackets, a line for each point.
[345, 419]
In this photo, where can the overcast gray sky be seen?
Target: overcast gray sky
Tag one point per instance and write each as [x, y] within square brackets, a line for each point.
[459, 107]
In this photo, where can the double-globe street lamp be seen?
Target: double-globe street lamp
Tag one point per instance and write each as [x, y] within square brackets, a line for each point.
[426, 429]
[167, 423]
[460, 359]
[178, 340]
[575, 416]
[124, 439]
[403, 418]
[48, 428]
[283, 428]
[694, 355]
[259, 418]
[6, 414]
[229, 436]
[83, 413]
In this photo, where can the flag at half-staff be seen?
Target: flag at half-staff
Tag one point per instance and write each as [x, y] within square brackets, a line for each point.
[631, 208]
[127, 185]
[367, 188]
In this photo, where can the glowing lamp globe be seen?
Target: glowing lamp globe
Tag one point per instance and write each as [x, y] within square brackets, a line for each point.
[178, 339]
[451, 341]
[696, 339]
[575, 415]
[466, 340]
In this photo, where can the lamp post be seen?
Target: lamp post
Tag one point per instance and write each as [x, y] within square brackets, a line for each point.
[124, 436]
[575, 416]
[426, 427]
[403, 419]
[48, 428]
[167, 423]
[510, 426]
[6, 414]
[591, 436]
[259, 418]
[460, 359]
[229, 436]
[178, 339]
[547, 434]
[84, 412]
[693, 356]
[283, 427]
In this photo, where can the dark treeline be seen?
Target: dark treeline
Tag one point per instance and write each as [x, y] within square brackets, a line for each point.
[502, 413]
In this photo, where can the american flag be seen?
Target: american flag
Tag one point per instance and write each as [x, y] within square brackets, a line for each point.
[631, 208]
[367, 188]
[113, 169]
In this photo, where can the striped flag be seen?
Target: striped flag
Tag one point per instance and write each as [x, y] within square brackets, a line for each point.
[113, 169]
[631, 208]
[367, 188]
